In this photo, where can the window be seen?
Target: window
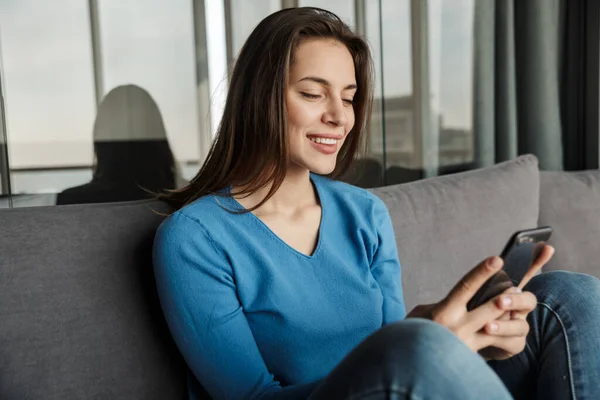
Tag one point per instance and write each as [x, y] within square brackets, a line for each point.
[423, 99]
[48, 84]
[49, 77]
[151, 44]
[54, 73]
[245, 16]
[456, 82]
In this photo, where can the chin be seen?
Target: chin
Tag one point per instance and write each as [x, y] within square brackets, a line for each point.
[322, 169]
[314, 165]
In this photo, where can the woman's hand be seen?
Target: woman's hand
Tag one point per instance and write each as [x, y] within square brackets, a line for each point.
[509, 334]
[489, 325]
[512, 327]
[452, 312]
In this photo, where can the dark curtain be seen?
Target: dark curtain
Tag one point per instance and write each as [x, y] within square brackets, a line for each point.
[535, 81]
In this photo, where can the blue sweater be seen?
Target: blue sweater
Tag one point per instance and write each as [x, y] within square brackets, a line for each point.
[256, 319]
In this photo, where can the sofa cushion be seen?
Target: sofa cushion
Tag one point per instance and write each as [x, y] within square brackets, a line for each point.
[79, 315]
[446, 225]
[570, 203]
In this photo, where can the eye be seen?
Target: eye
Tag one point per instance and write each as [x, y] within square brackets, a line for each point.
[349, 101]
[310, 95]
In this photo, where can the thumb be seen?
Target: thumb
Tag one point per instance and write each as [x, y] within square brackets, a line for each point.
[545, 256]
[466, 288]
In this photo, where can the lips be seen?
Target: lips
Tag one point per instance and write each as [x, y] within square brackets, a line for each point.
[324, 148]
[326, 136]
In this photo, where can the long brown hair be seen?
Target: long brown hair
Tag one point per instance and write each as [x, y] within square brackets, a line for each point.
[251, 146]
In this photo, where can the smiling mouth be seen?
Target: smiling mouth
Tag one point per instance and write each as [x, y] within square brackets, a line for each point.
[327, 146]
[319, 140]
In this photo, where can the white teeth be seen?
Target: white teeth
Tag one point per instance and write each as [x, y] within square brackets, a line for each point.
[324, 140]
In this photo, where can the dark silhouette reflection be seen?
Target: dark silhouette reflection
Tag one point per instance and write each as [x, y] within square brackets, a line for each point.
[133, 155]
[396, 175]
[365, 173]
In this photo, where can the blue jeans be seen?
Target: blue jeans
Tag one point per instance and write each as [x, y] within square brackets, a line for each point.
[418, 359]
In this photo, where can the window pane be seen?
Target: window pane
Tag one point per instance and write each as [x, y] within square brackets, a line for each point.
[151, 44]
[49, 90]
[245, 15]
[456, 82]
[52, 120]
[427, 86]
[389, 35]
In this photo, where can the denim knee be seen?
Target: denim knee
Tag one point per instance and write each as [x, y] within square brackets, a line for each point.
[569, 289]
[412, 359]
[420, 342]
[429, 361]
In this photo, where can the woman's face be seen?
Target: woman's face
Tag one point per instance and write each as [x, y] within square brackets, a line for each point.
[320, 93]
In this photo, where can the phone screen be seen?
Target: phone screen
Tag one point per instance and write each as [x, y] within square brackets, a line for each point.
[523, 248]
[519, 259]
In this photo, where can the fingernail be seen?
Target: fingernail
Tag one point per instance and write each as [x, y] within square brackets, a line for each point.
[516, 289]
[494, 327]
[506, 301]
[494, 262]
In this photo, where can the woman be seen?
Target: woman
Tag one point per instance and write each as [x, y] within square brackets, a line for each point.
[279, 283]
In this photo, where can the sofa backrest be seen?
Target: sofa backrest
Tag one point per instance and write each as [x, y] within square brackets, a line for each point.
[446, 225]
[570, 203]
[79, 315]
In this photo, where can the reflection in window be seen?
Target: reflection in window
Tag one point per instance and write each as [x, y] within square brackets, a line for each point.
[389, 38]
[444, 30]
[151, 45]
[133, 155]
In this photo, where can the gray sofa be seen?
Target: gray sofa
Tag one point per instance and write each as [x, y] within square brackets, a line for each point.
[79, 317]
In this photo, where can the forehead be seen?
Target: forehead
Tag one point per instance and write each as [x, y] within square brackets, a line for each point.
[325, 58]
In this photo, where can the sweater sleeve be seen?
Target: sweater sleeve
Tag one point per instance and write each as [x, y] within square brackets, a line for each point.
[385, 266]
[197, 291]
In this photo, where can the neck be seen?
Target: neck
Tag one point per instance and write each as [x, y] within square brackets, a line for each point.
[295, 192]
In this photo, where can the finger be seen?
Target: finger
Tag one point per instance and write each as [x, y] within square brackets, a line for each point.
[484, 314]
[508, 314]
[512, 345]
[507, 328]
[505, 317]
[519, 315]
[466, 288]
[481, 315]
[512, 289]
[545, 256]
[483, 340]
[525, 301]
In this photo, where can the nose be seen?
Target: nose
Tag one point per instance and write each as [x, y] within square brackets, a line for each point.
[335, 114]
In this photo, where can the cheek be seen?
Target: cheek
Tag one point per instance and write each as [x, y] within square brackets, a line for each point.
[351, 120]
[294, 118]
[301, 116]
[291, 109]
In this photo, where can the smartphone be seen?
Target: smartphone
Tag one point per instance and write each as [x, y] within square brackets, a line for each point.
[521, 250]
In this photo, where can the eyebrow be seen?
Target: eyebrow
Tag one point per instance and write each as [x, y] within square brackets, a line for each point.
[325, 82]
